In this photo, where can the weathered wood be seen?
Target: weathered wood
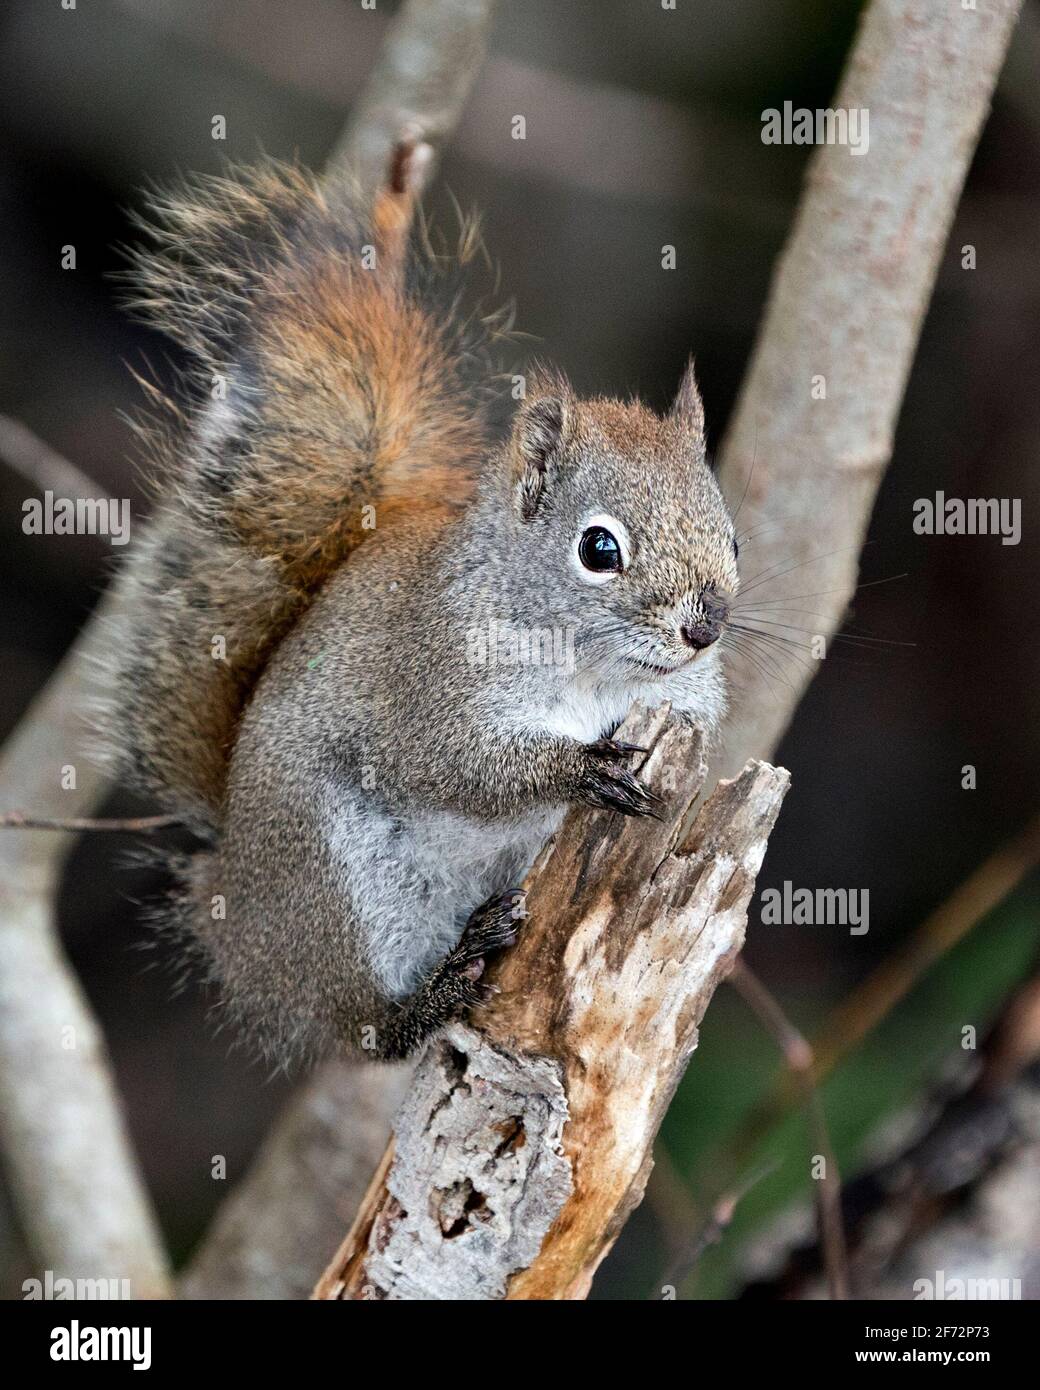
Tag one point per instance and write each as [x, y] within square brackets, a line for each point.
[525, 1141]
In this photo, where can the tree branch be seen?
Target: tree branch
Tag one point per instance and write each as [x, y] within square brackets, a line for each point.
[957, 1200]
[526, 1138]
[21, 820]
[845, 311]
[278, 1229]
[426, 69]
[799, 1057]
[73, 1178]
[40, 465]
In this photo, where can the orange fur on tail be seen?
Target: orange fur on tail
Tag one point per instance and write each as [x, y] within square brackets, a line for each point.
[329, 400]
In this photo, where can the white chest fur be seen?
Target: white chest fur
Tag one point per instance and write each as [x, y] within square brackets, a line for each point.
[586, 711]
[448, 865]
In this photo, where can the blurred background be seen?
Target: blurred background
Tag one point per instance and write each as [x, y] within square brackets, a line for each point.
[643, 129]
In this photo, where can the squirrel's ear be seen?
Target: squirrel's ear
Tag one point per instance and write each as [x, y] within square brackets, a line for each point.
[688, 408]
[539, 436]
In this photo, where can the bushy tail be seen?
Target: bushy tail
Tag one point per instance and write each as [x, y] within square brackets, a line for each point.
[329, 398]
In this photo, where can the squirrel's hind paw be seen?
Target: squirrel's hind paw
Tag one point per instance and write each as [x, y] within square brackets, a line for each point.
[494, 925]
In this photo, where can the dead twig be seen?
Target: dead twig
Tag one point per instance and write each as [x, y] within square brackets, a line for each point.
[712, 1231]
[799, 1057]
[20, 820]
[872, 1001]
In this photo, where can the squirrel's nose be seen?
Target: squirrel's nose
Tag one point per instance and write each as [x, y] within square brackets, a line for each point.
[708, 627]
[698, 635]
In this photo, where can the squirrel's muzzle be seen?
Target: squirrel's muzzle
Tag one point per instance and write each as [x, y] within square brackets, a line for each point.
[706, 627]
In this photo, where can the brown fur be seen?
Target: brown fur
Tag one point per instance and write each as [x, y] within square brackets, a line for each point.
[368, 786]
[345, 393]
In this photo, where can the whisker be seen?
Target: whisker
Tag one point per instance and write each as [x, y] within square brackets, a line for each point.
[860, 637]
[763, 662]
[759, 579]
[822, 593]
[734, 645]
[751, 474]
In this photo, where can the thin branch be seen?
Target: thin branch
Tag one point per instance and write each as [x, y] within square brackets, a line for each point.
[20, 820]
[41, 466]
[427, 67]
[73, 1178]
[964, 1190]
[872, 1001]
[657, 148]
[713, 1229]
[969, 904]
[799, 1057]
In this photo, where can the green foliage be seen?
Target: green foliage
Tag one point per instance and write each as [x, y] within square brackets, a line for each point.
[736, 1063]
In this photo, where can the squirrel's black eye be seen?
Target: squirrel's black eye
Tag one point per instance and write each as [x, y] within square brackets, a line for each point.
[599, 551]
[736, 549]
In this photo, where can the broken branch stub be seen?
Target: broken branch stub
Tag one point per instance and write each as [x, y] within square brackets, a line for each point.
[526, 1138]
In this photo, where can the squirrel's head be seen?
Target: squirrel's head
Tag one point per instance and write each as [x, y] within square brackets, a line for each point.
[625, 515]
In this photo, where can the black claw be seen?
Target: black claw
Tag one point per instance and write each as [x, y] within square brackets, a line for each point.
[613, 788]
[609, 748]
[493, 926]
[484, 994]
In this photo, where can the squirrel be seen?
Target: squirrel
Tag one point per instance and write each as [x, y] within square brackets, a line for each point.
[324, 700]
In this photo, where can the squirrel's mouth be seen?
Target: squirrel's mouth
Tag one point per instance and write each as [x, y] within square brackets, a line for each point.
[651, 668]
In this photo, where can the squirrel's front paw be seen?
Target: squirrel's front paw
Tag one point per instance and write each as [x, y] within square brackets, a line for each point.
[606, 783]
[492, 927]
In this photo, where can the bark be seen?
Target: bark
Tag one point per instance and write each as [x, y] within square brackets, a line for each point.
[525, 1140]
[847, 303]
[426, 69]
